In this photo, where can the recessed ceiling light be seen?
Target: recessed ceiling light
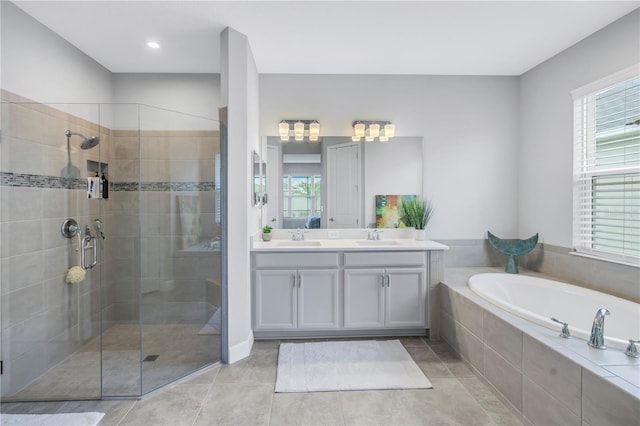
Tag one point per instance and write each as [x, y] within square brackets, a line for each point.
[153, 45]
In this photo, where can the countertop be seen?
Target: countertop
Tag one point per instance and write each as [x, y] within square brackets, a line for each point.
[346, 244]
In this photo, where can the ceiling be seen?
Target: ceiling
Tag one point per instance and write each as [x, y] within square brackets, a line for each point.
[329, 37]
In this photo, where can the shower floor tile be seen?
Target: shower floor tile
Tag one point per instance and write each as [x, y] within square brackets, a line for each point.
[180, 349]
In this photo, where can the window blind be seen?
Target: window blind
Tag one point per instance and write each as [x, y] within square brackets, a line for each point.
[606, 196]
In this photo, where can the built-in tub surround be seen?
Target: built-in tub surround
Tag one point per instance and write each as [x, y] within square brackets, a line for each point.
[531, 366]
[539, 299]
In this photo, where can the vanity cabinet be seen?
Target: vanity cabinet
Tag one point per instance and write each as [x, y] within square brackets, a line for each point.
[375, 298]
[292, 299]
[296, 299]
[392, 297]
[305, 294]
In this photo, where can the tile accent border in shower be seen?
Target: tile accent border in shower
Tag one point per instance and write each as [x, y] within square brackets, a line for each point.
[39, 181]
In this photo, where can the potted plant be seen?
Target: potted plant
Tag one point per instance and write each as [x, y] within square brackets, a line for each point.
[416, 212]
[266, 233]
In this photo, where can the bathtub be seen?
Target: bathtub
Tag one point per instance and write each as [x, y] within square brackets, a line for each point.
[538, 300]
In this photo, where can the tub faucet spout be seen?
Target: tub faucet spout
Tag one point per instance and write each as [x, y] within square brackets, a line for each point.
[596, 340]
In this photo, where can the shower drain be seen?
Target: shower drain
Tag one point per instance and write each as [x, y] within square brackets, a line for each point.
[150, 358]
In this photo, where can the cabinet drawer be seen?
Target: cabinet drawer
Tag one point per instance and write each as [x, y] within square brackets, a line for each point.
[297, 260]
[384, 259]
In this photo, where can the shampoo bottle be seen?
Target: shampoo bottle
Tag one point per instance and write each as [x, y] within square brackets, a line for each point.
[105, 186]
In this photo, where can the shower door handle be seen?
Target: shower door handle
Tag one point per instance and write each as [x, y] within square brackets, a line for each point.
[86, 244]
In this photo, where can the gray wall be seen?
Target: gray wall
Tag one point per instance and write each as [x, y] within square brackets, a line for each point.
[469, 126]
[40, 65]
[545, 160]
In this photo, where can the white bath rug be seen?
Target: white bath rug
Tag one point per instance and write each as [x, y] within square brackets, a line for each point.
[354, 365]
[64, 419]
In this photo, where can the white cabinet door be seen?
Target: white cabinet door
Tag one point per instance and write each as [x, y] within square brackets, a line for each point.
[405, 298]
[276, 300]
[318, 298]
[364, 298]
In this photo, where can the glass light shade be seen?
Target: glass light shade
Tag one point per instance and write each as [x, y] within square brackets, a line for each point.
[383, 138]
[368, 137]
[298, 130]
[390, 130]
[314, 131]
[355, 139]
[283, 130]
[358, 130]
[374, 130]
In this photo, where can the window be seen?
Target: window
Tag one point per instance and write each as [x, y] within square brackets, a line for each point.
[606, 177]
[301, 195]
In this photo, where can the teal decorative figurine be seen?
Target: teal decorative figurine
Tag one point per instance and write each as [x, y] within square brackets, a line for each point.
[513, 249]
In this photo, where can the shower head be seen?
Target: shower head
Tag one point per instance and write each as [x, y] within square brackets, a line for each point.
[87, 143]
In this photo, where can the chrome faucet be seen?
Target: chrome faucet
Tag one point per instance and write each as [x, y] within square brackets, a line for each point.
[297, 235]
[596, 340]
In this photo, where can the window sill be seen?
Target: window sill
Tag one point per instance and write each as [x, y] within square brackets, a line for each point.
[605, 259]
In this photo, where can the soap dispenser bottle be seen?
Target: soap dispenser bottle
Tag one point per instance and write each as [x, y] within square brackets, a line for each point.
[105, 186]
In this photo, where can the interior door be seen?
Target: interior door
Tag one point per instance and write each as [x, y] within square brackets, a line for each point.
[343, 186]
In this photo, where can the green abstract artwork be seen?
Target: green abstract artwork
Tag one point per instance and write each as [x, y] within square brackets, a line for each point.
[387, 215]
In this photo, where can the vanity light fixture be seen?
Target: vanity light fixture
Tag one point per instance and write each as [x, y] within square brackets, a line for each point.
[370, 130]
[299, 129]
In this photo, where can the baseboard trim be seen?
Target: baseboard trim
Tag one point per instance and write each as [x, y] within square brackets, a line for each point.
[241, 350]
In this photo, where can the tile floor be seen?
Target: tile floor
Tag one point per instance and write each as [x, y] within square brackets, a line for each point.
[242, 394]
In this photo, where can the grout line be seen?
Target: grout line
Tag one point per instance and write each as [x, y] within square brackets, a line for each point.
[125, 414]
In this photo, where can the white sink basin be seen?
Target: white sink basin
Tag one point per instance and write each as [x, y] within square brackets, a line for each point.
[377, 242]
[299, 243]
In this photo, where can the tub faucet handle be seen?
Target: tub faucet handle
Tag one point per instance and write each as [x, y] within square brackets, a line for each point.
[632, 349]
[564, 333]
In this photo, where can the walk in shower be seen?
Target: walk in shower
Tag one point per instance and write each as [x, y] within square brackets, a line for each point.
[141, 186]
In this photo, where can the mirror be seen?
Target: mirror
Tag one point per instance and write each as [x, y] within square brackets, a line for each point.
[332, 183]
[258, 180]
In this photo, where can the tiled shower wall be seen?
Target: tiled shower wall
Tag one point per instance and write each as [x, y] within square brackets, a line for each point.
[43, 318]
[177, 211]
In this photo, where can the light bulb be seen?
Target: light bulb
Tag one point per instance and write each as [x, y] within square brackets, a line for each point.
[314, 131]
[283, 129]
[374, 130]
[298, 130]
[389, 130]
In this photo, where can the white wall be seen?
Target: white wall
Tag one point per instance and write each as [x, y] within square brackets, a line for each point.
[469, 126]
[546, 125]
[40, 65]
[239, 90]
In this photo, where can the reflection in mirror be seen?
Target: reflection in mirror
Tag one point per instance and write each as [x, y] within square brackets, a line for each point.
[332, 183]
[257, 168]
